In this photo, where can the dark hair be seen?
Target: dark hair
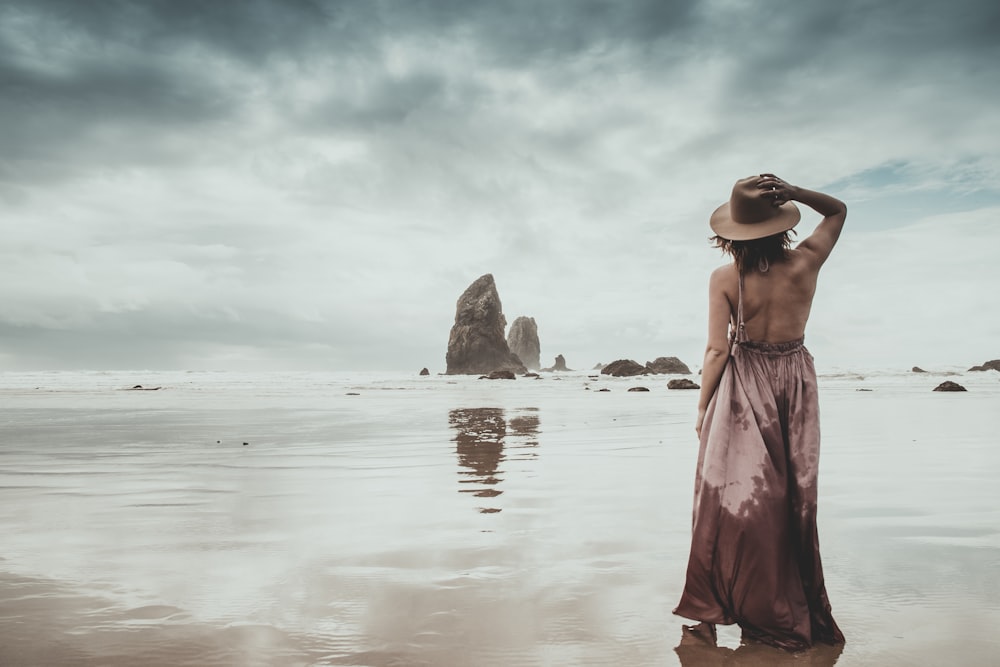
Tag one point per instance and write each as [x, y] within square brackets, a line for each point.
[756, 254]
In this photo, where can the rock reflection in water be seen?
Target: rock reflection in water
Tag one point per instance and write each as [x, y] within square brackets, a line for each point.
[481, 438]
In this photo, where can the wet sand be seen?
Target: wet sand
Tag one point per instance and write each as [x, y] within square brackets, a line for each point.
[447, 521]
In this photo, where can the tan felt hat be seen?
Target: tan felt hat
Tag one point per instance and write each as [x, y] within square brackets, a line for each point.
[750, 215]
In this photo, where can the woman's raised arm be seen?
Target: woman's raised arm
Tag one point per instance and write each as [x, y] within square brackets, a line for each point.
[820, 243]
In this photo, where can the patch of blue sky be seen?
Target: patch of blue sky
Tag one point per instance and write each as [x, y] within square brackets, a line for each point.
[897, 194]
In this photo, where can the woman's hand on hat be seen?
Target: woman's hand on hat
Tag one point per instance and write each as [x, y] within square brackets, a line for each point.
[775, 189]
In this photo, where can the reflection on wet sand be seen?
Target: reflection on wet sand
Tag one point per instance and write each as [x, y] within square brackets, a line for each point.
[482, 435]
[696, 650]
[49, 623]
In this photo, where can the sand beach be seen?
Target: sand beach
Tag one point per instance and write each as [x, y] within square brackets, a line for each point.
[390, 519]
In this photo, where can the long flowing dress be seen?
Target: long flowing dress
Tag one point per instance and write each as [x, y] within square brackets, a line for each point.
[755, 548]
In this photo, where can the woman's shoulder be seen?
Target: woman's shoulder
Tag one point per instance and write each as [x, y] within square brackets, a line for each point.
[725, 272]
[725, 280]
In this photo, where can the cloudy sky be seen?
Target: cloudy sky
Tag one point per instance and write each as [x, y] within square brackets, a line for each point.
[311, 184]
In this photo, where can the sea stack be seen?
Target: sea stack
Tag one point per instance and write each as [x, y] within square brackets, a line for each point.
[668, 365]
[559, 365]
[522, 339]
[624, 368]
[476, 345]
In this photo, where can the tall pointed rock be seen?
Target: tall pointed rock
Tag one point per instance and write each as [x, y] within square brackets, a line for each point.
[522, 339]
[476, 344]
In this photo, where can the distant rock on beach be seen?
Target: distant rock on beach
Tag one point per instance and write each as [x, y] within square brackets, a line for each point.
[948, 385]
[624, 368]
[917, 369]
[992, 365]
[522, 339]
[499, 375]
[559, 365]
[477, 344]
[682, 383]
[664, 365]
[424, 371]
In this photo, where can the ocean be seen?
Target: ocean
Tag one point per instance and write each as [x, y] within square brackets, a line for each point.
[219, 518]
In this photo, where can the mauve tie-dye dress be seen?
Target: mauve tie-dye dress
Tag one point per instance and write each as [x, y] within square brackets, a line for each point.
[754, 548]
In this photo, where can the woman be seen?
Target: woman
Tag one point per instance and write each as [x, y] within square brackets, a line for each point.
[754, 549]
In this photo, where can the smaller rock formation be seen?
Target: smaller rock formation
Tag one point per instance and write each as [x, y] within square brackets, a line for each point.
[638, 389]
[531, 375]
[499, 375]
[682, 383]
[598, 366]
[948, 385]
[477, 344]
[992, 365]
[522, 339]
[424, 371]
[664, 365]
[917, 369]
[560, 365]
[604, 389]
[624, 368]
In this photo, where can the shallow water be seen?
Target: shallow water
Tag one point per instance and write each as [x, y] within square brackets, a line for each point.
[394, 520]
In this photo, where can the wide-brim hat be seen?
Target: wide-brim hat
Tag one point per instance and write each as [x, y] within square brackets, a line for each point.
[749, 215]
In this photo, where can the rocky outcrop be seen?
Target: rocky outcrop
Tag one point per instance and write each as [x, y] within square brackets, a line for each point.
[638, 388]
[993, 365]
[682, 383]
[499, 375]
[424, 371]
[522, 339]
[917, 369]
[624, 368]
[559, 365]
[664, 365]
[477, 344]
[948, 385]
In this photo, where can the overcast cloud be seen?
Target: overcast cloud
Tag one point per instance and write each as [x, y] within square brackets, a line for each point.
[311, 184]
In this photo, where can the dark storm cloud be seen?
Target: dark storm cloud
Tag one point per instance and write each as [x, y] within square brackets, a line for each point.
[250, 30]
[115, 81]
[518, 31]
[856, 47]
[68, 67]
[108, 82]
[48, 112]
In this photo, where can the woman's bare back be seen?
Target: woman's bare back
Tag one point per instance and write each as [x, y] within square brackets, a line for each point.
[776, 302]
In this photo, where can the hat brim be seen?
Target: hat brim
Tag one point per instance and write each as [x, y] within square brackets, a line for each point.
[786, 217]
